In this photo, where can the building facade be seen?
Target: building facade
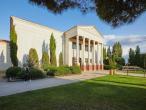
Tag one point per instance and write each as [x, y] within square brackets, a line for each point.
[80, 45]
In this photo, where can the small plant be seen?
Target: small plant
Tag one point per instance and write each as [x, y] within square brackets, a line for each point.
[75, 69]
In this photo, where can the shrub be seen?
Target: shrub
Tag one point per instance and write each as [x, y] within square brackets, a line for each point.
[36, 73]
[107, 67]
[75, 69]
[45, 60]
[63, 70]
[51, 70]
[13, 72]
[33, 58]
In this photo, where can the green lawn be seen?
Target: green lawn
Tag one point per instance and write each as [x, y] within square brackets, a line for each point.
[105, 93]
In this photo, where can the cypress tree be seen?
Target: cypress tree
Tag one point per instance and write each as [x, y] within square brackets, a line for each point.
[109, 52]
[137, 56]
[131, 59]
[13, 46]
[53, 51]
[45, 60]
[33, 58]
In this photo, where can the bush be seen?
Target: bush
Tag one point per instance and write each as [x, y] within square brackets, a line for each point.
[75, 69]
[45, 60]
[107, 67]
[13, 72]
[36, 73]
[63, 70]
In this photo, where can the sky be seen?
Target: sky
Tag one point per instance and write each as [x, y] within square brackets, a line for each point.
[129, 35]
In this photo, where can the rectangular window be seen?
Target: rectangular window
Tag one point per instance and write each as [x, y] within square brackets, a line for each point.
[90, 60]
[86, 60]
[86, 47]
[91, 47]
[80, 46]
[74, 45]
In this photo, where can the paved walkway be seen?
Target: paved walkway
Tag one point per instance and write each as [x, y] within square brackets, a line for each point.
[9, 88]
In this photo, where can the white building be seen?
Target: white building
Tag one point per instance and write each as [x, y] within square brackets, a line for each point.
[81, 45]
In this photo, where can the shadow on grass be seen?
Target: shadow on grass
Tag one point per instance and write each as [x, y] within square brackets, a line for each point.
[86, 95]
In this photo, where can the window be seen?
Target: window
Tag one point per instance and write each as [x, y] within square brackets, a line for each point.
[91, 48]
[86, 47]
[80, 46]
[90, 60]
[74, 45]
[86, 60]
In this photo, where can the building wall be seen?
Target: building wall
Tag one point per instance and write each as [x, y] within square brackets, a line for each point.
[31, 35]
[5, 61]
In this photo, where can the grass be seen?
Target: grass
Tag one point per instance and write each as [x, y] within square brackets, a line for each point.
[105, 93]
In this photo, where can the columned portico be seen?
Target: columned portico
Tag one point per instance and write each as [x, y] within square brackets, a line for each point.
[85, 49]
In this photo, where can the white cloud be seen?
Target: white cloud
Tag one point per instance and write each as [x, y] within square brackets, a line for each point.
[127, 42]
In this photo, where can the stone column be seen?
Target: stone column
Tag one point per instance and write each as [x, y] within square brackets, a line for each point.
[77, 49]
[83, 54]
[94, 55]
[98, 57]
[101, 56]
[88, 54]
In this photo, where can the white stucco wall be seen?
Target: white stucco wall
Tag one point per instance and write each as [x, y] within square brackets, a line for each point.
[5, 61]
[31, 35]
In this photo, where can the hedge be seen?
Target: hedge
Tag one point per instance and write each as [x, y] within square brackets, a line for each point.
[63, 70]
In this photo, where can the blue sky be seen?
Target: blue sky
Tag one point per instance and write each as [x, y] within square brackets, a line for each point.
[22, 9]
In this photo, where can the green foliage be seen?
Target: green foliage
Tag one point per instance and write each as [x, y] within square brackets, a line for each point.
[109, 54]
[45, 60]
[13, 72]
[63, 70]
[112, 62]
[120, 61]
[117, 50]
[114, 12]
[131, 59]
[60, 59]
[36, 73]
[75, 69]
[107, 67]
[13, 46]
[33, 60]
[53, 51]
[137, 56]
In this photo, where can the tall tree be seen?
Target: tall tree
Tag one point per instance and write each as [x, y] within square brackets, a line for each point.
[104, 53]
[114, 12]
[137, 56]
[53, 51]
[117, 49]
[33, 60]
[109, 54]
[45, 60]
[13, 46]
[131, 59]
